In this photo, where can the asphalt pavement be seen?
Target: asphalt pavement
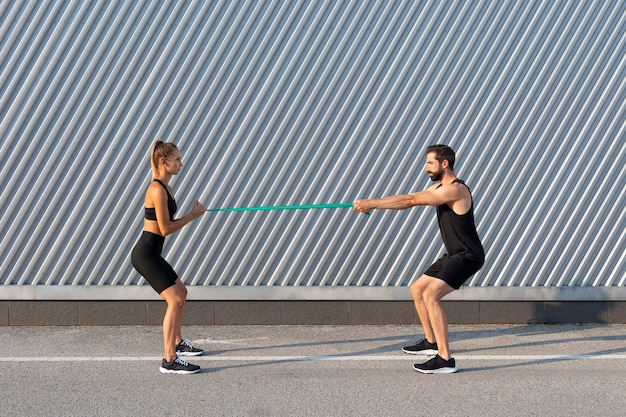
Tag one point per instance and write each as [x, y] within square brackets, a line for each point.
[517, 370]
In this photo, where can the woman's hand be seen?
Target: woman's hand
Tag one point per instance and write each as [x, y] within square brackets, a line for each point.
[198, 209]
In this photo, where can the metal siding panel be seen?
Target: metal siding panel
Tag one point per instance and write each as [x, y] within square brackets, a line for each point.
[280, 102]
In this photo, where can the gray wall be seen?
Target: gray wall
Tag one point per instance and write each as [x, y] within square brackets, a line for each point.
[285, 102]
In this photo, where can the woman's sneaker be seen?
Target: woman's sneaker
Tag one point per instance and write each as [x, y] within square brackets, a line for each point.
[184, 348]
[436, 365]
[423, 347]
[178, 366]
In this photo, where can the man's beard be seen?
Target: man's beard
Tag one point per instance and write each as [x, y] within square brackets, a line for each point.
[436, 176]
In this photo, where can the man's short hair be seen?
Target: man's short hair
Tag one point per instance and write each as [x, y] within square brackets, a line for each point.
[442, 152]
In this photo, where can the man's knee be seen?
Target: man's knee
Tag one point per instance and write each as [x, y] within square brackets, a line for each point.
[433, 294]
[416, 291]
[418, 287]
[430, 296]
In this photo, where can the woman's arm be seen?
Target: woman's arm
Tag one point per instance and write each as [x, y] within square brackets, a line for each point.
[158, 196]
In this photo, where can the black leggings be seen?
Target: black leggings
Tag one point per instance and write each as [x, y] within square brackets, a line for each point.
[147, 260]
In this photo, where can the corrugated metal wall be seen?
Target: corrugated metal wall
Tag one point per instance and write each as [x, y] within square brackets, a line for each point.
[294, 102]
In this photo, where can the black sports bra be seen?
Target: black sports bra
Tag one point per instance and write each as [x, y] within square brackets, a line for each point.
[171, 206]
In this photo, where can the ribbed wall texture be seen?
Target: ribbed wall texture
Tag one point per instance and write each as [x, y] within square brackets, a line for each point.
[302, 102]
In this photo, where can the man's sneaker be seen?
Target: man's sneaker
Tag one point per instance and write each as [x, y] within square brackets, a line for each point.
[436, 365]
[178, 366]
[184, 348]
[423, 347]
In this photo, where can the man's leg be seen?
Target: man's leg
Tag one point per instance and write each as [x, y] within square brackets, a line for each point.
[432, 294]
[417, 291]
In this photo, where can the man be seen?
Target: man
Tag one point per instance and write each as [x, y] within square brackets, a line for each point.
[464, 257]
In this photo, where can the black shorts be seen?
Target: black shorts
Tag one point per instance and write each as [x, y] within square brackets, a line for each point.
[147, 260]
[454, 270]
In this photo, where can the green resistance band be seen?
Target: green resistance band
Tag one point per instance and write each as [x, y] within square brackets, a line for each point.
[297, 207]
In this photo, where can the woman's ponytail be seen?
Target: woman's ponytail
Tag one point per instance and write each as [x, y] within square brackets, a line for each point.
[160, 150]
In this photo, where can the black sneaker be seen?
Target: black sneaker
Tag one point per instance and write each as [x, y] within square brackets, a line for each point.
[436, 365]
[178, 366]
[184, 348]
[423, 347]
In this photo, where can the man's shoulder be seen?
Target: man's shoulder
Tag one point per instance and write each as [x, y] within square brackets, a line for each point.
[459, 189]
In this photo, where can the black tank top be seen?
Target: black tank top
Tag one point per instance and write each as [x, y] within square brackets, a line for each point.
[150, 213]
[459, 231]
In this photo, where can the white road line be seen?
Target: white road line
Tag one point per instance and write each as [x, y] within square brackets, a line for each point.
[210, 358]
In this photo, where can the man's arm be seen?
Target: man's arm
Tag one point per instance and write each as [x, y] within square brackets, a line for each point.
[432, 196]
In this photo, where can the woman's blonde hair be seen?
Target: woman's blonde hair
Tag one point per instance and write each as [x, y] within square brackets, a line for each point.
[160, 150]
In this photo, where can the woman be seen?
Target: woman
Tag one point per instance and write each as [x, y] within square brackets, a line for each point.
[159, 222]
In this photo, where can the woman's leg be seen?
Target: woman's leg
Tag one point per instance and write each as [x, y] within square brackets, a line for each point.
[183, 291]
[172, 320]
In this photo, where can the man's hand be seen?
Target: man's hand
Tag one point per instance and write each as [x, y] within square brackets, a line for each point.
[364, 206]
